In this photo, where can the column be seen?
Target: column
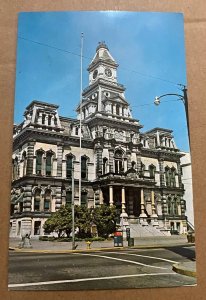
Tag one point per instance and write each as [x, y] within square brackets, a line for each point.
[123, 200]
[40, 118]
[154, 214]
[58, 202]
[98, 150]
[111, 195]
[179, 174]
[101, 199]
[30, 158]
[111, 160]
[158, 138]
[138, 156]
[182, 205]
[143, 216]
[27, 199]
[129, 164]
[161, 168]
[164, 205]
[59, 159]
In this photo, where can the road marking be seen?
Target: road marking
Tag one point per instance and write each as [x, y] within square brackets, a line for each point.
[85, 279]
[146, 256]
[125, 260]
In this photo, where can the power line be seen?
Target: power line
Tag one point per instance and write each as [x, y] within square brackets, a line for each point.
[89, 58]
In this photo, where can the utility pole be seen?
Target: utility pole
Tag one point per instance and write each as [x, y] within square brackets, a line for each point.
[73, 224]
[80, 122]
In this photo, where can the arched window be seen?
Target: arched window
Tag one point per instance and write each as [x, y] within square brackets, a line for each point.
[15, 169]
[152, 171]
[12, 206]
[167, 176]
[105, 163]
[69, 166]
[172, 177]
[39, 155]
[49, 163]
[37, 200]
[68, 197]
[47, 200]
[24, 159]
[169, 206]
[142, 171]
[118, 161]
[84, 171]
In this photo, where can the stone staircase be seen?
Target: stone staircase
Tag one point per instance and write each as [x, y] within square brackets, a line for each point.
[137, 230]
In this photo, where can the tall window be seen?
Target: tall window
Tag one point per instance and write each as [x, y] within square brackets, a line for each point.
[167, 176]
[15, 169]
[69, 165]
[43, 119]
[172, 178]
[152, 171]
[24, 159]
[84, 167]
[39, 156]
[49, 120]
[37, 227]
[118, 160]
[37, 200]
[117, 109]
[49, 163]
[142, 171]
[84, 198]
[105, 163]
[68, 197]
[47, 200]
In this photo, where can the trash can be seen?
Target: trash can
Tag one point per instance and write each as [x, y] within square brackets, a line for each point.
[189, 238]
[128, 233]
[118, 239]
[130, 242]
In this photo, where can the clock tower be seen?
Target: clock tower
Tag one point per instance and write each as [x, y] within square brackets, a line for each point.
[102, 65]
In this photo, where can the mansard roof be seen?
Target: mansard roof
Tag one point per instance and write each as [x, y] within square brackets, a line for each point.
[102, 55]
[162, 130]
[42, 103]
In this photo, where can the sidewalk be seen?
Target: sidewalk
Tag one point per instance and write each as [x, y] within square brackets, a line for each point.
[146, 242]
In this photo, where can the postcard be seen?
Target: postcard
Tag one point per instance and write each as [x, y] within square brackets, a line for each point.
[101, 187]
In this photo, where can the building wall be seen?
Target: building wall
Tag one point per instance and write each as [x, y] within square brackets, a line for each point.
[187, 181]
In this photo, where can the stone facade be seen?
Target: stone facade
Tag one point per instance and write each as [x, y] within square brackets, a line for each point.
[138, 172]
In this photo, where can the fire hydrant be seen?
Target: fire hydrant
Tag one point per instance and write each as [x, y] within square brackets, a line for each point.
[88, 244]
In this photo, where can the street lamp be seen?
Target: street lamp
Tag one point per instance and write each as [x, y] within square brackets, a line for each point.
[183, 98]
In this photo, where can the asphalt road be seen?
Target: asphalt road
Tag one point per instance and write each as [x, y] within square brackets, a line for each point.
[99, 270]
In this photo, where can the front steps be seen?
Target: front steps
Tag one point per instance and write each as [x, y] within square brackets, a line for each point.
[137, 230]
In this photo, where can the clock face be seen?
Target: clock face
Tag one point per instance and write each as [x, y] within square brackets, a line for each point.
[95, 74]
[108, 72]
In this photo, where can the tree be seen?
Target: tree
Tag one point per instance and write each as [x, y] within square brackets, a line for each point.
[83, 220]
[60, 222]
[105, 218]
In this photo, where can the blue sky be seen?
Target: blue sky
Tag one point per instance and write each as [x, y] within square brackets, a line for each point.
[147, 46]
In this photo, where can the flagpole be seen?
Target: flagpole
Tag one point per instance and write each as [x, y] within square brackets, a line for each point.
[80, 121]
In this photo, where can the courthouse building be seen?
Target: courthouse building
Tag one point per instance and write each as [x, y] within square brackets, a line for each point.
[118, 163]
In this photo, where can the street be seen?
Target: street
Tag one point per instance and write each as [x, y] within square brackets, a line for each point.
[117, 269]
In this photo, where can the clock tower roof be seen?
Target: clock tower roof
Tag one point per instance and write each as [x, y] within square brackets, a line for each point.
[102, 55]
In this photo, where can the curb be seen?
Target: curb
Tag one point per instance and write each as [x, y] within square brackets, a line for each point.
[178, 268]
[25, 250]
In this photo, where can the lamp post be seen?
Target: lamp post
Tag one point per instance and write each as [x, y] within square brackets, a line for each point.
[183, 97]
